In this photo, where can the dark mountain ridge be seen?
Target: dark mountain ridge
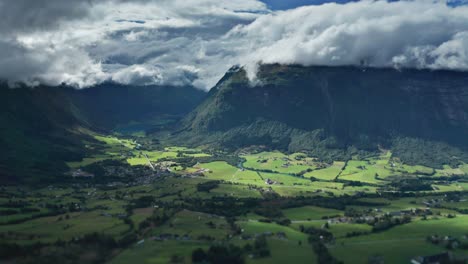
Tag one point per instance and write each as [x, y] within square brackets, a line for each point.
[331, 112]
[305, 108]
[40, 130]
[110, 105]
[44, 127]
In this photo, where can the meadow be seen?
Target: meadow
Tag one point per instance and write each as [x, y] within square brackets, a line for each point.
[211, 198]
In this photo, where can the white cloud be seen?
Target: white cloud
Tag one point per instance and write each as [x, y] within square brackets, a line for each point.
[138, 74]
[195, 42]
[145, 41]
[135, 35]
[405, 34]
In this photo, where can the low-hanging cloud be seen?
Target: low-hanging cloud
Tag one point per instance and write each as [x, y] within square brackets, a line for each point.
[379, 34]
[85, 42]
[194, 42]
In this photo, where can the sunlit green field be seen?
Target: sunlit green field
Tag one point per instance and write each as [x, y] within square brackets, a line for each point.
[153, 156]
[279, 162]
[282, 181]
[408, 240]
[327, 174]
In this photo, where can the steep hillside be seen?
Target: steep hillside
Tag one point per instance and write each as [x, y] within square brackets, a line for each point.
[44, 127]
[335, 109]
[110, 106]
[40, 130]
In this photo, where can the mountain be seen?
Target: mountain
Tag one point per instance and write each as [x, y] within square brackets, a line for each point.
[336, 111]
[40, 130]
[44, 127]
[112, 106]
[330, 112]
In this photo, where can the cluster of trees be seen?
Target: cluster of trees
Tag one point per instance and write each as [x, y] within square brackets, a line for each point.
[142, 202]
[318, 238]
[269, 212]
[219, 254]
[225, 206]
[207, 186]
[433, 154]
[231, 254]
[323, 255]
[339, 203]
[95, 247]
[412, 185]
[388, 222]
[259, 249]
[154, 220]
[316, 234]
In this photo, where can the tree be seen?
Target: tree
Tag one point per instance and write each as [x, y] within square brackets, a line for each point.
[199, 256]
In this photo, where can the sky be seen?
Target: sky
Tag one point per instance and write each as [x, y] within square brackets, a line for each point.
[194, 42]
[289, 4]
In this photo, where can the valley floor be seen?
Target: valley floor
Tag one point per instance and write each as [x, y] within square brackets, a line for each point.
[133, 200]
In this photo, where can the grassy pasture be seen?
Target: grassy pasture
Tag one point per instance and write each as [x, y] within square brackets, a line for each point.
[409, 169]
[408, 240]
[279, 162]
[195, 224]
[361, 252]
[113, 148]
[327, 174]
[366, 171]
[235, 191]
[254, 227]
[287, 252]
[155, 252]
[219, 170]
[401, 204]
[239, 183]
[140, 214]
[454, 187]
[50, 229]
[114, 206]
[248, 177]
[282, 250]
[449, 171]
[153, 156]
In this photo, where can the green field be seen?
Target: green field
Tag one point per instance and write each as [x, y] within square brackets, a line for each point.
[51, 229]
[279, 162]
[155, 252]
[170, 213]
[327, 174]
[408, 240]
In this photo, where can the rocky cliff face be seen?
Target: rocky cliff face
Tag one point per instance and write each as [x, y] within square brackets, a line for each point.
[354, 106]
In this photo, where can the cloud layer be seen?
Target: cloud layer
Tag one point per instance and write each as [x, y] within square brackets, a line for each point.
[194, 42]
[417, 34]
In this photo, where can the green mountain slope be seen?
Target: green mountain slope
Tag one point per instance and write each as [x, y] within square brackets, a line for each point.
[42, 128]
[334, 109]
[109, 106]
